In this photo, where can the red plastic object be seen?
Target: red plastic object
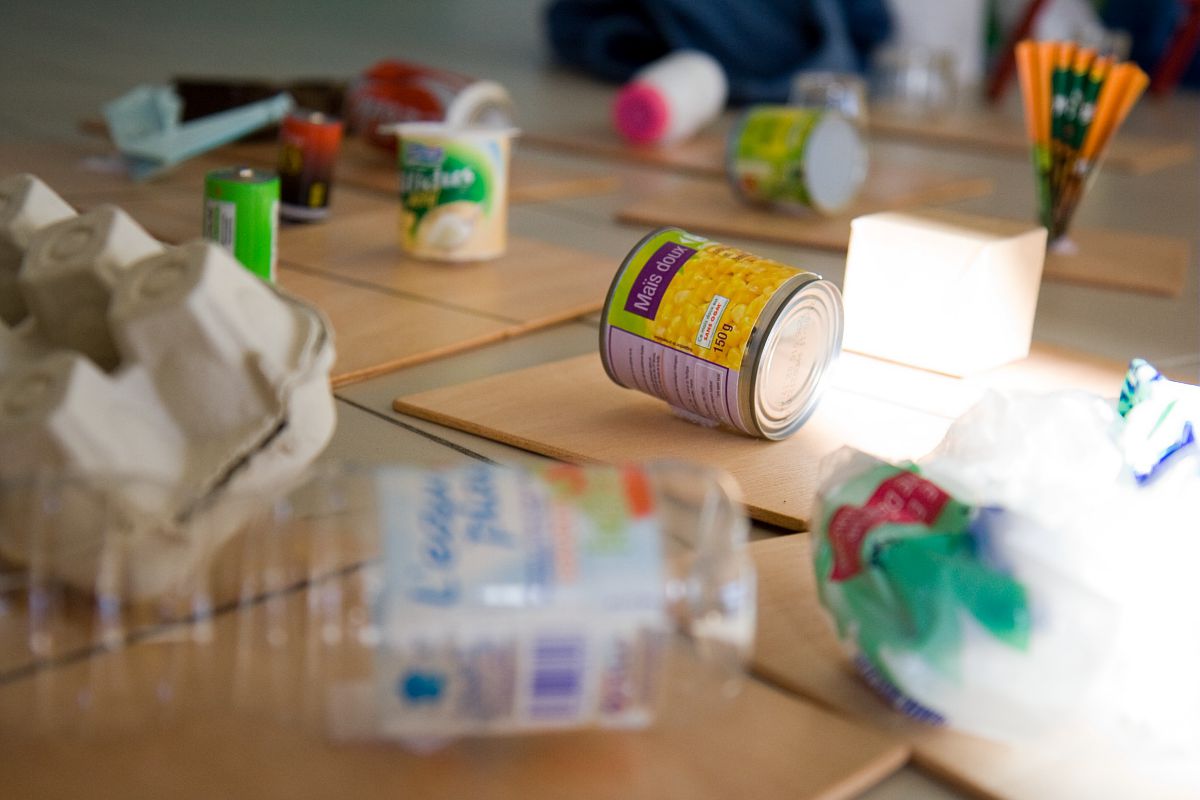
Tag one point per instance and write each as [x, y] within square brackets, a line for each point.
[1179, 52]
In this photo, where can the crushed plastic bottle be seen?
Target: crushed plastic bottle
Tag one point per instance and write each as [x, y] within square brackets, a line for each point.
[487, 600]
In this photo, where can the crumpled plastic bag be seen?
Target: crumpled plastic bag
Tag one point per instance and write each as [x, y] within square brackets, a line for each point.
[1037, 568]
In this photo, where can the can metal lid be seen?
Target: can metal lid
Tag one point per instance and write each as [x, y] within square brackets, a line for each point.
[242, 175]
[804, 340]
[835, 163]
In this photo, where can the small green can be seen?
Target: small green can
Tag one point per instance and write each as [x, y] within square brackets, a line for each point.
[241, 214]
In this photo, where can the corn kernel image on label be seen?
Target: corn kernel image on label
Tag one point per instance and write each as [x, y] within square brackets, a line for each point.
[721, 334]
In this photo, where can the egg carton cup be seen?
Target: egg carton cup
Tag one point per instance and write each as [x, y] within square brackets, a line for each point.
[128, 363]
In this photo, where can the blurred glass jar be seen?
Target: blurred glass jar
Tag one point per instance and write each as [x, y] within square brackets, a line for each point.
[913, 81]
[843, 92]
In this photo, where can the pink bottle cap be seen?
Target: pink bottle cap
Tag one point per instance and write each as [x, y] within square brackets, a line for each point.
[641, 113]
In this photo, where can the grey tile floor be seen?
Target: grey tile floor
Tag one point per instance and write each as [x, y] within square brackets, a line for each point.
[61, 61]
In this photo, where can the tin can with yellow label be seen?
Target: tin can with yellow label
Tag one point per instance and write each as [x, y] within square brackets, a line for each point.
[722, 335]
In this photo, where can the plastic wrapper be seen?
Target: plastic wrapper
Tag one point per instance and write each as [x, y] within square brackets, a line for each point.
[1033, 571]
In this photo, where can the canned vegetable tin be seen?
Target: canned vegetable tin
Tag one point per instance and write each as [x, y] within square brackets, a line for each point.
[790, 157]
[241, 214]
[721, 334]
[308, 146]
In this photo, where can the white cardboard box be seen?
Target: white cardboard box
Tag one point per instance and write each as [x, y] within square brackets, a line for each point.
[950, 296]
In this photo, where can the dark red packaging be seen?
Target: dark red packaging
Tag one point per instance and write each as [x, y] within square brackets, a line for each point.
[308, 146]
[397, 91]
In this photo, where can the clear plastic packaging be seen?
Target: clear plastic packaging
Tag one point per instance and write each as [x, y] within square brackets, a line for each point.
[408, 605]
[1034, 572]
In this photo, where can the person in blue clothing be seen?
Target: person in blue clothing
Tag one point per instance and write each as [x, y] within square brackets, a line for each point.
[760, 43]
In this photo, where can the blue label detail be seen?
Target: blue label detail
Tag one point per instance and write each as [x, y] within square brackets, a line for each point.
[421, 687]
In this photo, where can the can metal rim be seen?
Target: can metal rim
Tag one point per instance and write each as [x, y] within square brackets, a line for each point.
[811, 302]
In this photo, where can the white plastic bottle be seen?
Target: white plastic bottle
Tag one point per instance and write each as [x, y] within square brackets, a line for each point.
[671, 99]
[498, 601]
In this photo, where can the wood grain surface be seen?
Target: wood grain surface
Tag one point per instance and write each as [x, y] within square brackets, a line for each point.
[239, 712]
[571, 410]
[363, 166]
[1103, 258]
[532, 282]
[980, 130]
[999, 132]
[713, 208]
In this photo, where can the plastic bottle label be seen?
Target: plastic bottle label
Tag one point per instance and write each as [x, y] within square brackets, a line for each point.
[514, 602]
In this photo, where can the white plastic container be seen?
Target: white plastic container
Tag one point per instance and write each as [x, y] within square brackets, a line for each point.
[671, 99]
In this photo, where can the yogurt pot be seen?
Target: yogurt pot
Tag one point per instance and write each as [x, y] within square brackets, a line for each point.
[453, 190]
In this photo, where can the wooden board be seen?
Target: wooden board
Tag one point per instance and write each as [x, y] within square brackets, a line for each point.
[74, 171]
[369, 168]
[1103, 258]
[999, 132]
[1108, 259]
[389, 311]
[173, 212]
[985, 131]
[760, 743]
[377, 332]
[797, 649]
[709, 207]
[702, 155]
[571, 410]
[533, 282]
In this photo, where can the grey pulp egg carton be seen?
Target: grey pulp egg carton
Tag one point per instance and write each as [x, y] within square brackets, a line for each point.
[178, 382]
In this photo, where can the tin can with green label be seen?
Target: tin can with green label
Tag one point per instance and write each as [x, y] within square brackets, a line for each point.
[453, 190]
[724, 336]
[241, 214]
[795, 158]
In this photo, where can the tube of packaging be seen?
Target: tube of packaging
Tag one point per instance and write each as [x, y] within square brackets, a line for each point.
[671, 99]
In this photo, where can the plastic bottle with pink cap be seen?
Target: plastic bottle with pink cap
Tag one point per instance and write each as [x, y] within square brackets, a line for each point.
[671, 99]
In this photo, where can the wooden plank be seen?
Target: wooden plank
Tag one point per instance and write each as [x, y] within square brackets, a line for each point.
[74, 171]
[797, 649]
[703, 155]
[1100, 257]
[388, 311]
[377, 332]
[1108, 259]
[533, 282]
[713, 208]
[998, 132]
[981, 130]
[572, 411]
[366, 167]
[173, 212]
[203, 750]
